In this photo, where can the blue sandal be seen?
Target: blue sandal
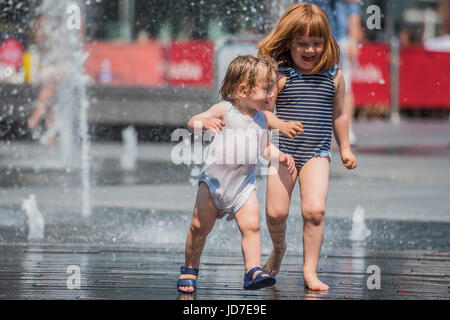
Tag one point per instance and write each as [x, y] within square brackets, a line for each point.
[187, 282]
[260, 280]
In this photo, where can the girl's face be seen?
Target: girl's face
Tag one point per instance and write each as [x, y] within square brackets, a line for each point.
[262, 94]
[306, 52]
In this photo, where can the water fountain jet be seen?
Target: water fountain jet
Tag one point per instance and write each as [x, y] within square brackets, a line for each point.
[359, 229]
[64, 59]
[130, 149]
[35, 220]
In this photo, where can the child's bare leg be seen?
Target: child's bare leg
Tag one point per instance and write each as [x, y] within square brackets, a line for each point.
[247, 218]
[42, 104]
[203, 219]
[313, 179]
[49, 119]
[278, 198]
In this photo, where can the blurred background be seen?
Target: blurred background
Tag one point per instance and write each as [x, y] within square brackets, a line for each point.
[155, 63]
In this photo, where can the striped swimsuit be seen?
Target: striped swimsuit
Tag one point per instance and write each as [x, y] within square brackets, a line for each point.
[307, 99]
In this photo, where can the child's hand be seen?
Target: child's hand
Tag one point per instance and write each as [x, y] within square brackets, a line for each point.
[288, 161]
[290, 129]
[348, 159]
[213, 124]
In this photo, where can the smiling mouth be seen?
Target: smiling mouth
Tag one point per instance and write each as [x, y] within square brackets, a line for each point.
[308, 59]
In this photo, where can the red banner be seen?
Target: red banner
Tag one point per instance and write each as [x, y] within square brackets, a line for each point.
[424, 78]
[126, 64]
[192, 63]
[370, 80]
[183, 63]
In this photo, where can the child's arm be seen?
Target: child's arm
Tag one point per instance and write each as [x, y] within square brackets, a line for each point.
[210, 119]
[271, 153]
[340, 123]
[287, 128]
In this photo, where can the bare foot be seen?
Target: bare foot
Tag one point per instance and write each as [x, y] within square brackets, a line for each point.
[51, 141]
[313, 283]
[33, 122]
[187, 276]
[48, 139]
[273, 263]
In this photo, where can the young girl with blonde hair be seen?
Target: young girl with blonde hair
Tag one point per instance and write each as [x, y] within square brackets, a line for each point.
[309, 98]
[227, 182]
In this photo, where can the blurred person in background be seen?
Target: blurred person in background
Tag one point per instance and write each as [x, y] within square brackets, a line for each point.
[345, 22]
[441, 43]
[48, 78]
[57, 37]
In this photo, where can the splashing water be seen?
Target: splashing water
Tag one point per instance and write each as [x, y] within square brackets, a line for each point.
[359, 229]
[194, 175]
[130, 149]
[35, 220]
[62, 63]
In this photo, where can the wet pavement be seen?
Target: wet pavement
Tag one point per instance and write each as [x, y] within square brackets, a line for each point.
[119, 272]
[132, 245]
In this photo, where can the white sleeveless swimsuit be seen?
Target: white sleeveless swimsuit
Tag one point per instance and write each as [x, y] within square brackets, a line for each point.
[230, 166]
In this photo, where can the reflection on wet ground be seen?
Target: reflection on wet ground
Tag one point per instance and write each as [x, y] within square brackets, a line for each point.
[159, 228]
[136, 254]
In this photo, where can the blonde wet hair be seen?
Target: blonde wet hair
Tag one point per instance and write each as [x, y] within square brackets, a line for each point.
[244, 70]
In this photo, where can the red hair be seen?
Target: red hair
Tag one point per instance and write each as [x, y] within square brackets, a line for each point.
[301, 19]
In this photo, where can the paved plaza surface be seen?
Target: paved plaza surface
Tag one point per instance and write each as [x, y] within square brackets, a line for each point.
[132, 245]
